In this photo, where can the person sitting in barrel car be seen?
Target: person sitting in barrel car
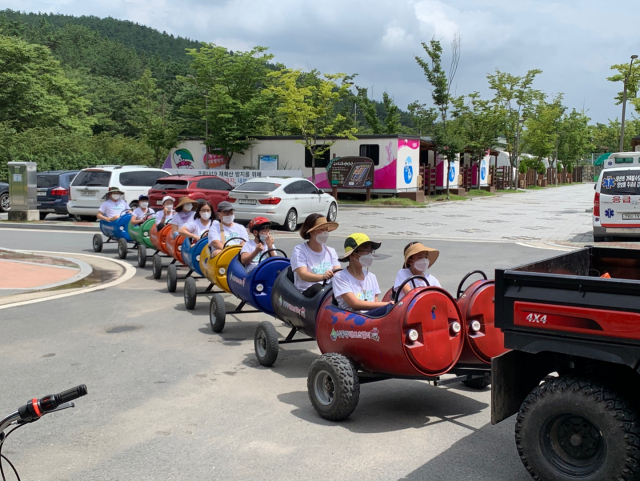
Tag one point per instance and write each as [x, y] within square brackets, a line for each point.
[224, 229]
[184, 214]
[143, 211]
[417, 260]
[200, 224]
[353, 288]
[262, 241]
[114, 205]
[314, 262]
[164, 216]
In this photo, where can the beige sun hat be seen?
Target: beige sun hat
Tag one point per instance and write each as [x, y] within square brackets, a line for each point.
[415, 248]
[323, 222]
[185, 200]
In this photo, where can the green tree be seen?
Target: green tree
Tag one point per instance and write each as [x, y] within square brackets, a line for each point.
[516, 98]
[422, 118]
[308, 102]
[541, 135]
[391, 115]
[368, 109]
[151, 119]
[34, 90]
[447, 136]
[575, 140]
[632, 84]
[230, 100]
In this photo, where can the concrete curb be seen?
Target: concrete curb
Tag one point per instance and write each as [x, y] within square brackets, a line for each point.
[61, 226]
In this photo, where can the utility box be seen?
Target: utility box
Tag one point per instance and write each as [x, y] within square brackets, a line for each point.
[23, 188]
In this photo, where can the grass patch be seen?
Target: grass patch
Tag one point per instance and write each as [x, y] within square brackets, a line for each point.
[394, 201]
[441, 197]
[479, 193]
[509, 191]
[535, 187]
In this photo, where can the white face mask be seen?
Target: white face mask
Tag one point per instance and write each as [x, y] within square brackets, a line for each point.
[228, 219]
[264, 237]
[421, 265]
[188, 207]
[144, 205]
[169, 206]
[205, 215]
[366, 260]
[115, 197]
[322, 237]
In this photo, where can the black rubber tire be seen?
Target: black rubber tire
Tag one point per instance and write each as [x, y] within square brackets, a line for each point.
[43, 215]
[265, 344]
[123, 250]
[564, 405]
[97, 243]
[332, 213]
[478, 382]
[5, 202]
[88, 218]
[190, 293]
[344, 386]
[172, 278]
[291, 221]
[142, 256]
[157, 266]
[217, 313]
[598, 238]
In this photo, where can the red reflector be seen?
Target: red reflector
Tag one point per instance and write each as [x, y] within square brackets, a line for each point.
[59, 191]
[231, 199]
[596, 205]
[271, 201]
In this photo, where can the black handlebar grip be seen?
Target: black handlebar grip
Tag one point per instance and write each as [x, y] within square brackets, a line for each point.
[71, 394]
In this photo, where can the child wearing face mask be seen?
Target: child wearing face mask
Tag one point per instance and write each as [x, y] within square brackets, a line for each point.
[200, 224]
[184, 214]
[314, 262]
[354, 288]
[224, 229]
[114, 205]
[164, 216]
[417, 260]
[142, 212]
[262, 241]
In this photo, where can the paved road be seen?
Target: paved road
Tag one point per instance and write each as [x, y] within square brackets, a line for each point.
[171, 400]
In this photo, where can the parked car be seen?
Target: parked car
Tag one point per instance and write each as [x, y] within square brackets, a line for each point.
[5, 202]
[196, 187]
[616, 204]
[91, 184]
[286, 202]
[53, 191]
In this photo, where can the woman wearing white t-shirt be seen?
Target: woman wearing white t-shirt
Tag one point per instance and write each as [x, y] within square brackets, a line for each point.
[225, 229]
[200, 224]
[142, 212]
[164, 216]
[114, 205]
[184, 214]
[417, 260]
[314, 262]
[353, 288]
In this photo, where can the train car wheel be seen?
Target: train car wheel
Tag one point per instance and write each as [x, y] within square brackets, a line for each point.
[478, 382]
[97, 243]
[142, 256]
[122, 248]
[333, 386]
[172, 278]
[265, 343]
[157, 266]
[217, 313]
[190, 293]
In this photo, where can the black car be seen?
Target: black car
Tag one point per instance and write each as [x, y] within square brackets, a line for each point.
[53, 191]
[5, 203]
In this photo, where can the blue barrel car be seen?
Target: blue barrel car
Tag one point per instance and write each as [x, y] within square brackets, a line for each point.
[253, 288]
[192, 255]
[116, 231]
[295, 310]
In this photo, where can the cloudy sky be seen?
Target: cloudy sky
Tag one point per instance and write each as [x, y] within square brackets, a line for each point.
[574, 42]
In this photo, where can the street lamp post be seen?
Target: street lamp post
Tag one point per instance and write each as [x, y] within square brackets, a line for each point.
[624, 102]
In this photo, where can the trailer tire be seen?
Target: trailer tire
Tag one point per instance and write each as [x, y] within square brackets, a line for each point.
[190, 293]
[217, 313]
[333, 386]
[142, 256]
[265, 343]
[97, 243]
[157, 266]
[478, 382]
[574, 428]
[172, 278]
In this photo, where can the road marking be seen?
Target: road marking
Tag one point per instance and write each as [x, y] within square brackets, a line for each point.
[129, 273]
[551, 247]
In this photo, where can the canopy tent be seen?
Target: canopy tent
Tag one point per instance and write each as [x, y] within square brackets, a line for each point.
[600, 160]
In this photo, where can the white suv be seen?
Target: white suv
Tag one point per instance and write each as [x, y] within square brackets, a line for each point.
[88, 187]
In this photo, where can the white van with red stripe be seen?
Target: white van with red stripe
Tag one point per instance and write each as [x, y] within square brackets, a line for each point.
[616, 205]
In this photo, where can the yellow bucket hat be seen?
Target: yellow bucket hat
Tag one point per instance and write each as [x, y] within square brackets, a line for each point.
[354, 241]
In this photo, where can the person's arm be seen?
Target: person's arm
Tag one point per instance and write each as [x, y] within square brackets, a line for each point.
[101, 216]
[184, 230]
[305, 275]
[247, 257]
[271, 246]
[358, 305]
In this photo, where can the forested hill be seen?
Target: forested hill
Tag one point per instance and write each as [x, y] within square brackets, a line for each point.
[143, 39]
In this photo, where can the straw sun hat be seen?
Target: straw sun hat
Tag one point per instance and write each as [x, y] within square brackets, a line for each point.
[415, 248]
